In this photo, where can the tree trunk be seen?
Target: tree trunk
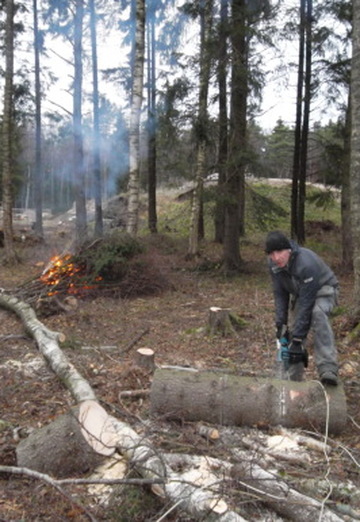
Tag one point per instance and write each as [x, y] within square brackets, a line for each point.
[134, 133]
[201, 127]
[152, 124]
[234, 197]
[355, 152]
[47, 342]
[223, 122]
[219, 398]
[298, 121]
[346, 232]
[7, 136]
[305, 124]
[38, 172]
[78, 153]
[96, 130]
[297, 507]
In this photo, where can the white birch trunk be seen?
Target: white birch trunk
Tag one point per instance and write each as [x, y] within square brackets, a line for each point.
[134, 134]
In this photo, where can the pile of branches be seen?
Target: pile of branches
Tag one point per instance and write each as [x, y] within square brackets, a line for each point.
[116, 265]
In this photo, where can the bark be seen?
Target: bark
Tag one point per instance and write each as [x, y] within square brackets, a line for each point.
[280, 496]
[38, 157]
[244, 401]
[223, 321]
[346, 232]
[152, 124]
[78, 153]
[235, 182]
[134, 133]
[145, 358]
[201, 130]
[7, 136]
[305, 123]
[223, 121]
[74, 443]
[355, 153]
[297, 144]
[96, 130]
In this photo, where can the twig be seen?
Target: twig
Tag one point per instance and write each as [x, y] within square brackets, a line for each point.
[12, 336]
[134, 393]
[48, 480]
[134, 341]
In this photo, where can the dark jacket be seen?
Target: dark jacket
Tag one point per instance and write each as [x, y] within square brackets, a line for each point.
[302, 279]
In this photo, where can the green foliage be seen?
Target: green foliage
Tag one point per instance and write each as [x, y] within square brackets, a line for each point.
[323, 199]
[328, 145]
[263, 212]
[110, 261]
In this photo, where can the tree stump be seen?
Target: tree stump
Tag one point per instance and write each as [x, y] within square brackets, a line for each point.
[222, 321]
[74, 443]
[223, 399]
[145, 358]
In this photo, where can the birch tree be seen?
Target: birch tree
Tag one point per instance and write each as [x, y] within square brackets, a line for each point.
[134, 132]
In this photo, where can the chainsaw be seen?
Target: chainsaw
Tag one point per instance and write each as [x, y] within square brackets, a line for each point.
[282, 353]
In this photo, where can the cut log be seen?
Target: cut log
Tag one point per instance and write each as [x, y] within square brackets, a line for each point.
[208, 432]
[223, 399]
[72, 444]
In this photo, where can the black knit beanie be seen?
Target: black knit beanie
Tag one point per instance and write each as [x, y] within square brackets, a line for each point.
[276, 241]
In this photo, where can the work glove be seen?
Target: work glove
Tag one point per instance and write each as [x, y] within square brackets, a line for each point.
[297, 353]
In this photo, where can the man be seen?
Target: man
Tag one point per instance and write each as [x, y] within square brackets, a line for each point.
[305, 288]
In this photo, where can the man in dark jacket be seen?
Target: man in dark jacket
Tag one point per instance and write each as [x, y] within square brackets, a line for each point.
[305, 288]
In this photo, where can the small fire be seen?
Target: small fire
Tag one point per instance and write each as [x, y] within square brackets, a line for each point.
[63, 275]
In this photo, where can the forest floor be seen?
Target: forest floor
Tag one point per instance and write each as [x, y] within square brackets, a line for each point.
[103, 333]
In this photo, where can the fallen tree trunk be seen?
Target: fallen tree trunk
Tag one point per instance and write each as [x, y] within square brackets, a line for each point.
[144, 458]
[280, 496]
[220, 398]
[48, 344]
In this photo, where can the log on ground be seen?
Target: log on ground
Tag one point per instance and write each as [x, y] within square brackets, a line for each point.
[225, 399]
[74, 443]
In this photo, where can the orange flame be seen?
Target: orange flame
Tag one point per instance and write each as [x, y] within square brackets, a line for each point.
[62, 270]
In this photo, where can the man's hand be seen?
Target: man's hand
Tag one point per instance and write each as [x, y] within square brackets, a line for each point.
[282, 332]
[297, 353]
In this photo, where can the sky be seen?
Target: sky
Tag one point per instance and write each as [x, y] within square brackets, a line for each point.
[278, 93]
